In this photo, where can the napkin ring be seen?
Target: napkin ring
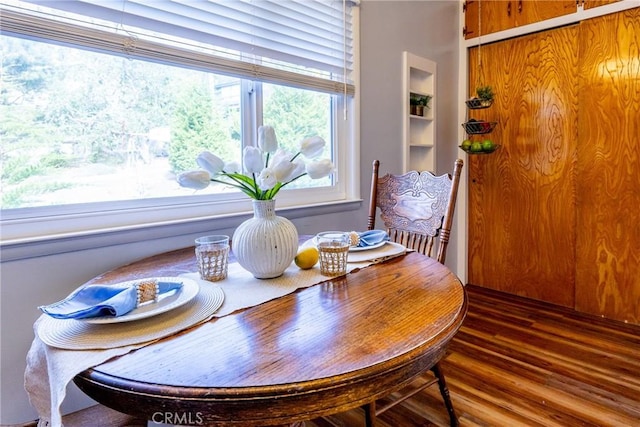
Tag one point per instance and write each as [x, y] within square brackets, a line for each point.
[147, 291]
[354, 238]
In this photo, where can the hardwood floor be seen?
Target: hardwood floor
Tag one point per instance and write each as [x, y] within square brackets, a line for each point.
[518, 362]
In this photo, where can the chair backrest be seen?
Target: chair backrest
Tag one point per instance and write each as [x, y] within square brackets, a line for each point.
[416, 207]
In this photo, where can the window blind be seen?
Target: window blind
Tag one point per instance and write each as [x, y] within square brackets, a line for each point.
[303, 43]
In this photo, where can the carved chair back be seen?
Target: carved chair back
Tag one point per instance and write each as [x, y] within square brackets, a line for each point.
[416, 208]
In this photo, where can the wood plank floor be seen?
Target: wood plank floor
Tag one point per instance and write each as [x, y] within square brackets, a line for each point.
[514, 362]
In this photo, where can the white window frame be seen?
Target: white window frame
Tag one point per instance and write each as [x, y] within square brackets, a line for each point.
[29, 232]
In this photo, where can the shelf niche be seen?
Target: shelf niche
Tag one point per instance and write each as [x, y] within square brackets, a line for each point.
[418, 132]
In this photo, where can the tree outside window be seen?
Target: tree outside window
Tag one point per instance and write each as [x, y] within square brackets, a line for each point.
[81, 126]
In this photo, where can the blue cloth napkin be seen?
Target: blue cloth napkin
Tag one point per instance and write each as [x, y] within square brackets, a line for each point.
[101, 300]
[371, 237]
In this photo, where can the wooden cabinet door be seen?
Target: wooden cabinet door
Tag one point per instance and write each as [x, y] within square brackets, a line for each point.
[608, 191]
[530, 11]
[522, 197]
[588, 4]
[490, 16]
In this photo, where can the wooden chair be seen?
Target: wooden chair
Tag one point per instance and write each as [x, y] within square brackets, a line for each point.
[417, 210]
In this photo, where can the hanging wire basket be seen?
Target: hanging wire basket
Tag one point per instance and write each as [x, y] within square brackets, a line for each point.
[482, 150]
[477, 103]
[479, 127]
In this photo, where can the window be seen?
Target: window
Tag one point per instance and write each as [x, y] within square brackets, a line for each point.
[97, 115]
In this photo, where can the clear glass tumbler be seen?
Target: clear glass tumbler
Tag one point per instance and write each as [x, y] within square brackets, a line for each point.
[212, 253]
[333, 249]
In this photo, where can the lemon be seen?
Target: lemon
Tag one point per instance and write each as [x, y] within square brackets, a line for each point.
[307, 258]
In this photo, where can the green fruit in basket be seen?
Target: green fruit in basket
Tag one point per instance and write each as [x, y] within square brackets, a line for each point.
[487, 145]
[476, 147]
[466, 144]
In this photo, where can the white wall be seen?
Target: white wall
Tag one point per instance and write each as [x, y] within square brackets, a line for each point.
[425, 28]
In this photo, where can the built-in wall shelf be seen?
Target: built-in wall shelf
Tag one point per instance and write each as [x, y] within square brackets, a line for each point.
[418, 129]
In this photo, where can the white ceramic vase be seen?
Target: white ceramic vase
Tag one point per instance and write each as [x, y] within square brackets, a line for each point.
[266, 244]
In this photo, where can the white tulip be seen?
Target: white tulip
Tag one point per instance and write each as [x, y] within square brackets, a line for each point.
[210, 162]
[280, 155]
[232, 167]
[267, 179]
[319, 169]
[284, 170]
[312, 147]
[299, 168]
[267, 140]
[255, 177]
[253, 159]
[196, 180]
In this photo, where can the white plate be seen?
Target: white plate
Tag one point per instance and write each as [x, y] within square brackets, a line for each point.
[367, 248]
[169, 301]
[357, 248]
[390, 249]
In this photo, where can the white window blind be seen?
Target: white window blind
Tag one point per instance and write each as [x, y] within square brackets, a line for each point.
[303, 43]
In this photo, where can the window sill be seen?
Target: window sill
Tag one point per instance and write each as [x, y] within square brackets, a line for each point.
[52, 244]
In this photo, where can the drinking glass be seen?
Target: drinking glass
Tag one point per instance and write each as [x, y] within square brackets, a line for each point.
[333, 249]
[212, 253]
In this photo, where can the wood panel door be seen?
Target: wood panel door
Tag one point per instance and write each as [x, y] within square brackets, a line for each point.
[522, 197]
[608, 191]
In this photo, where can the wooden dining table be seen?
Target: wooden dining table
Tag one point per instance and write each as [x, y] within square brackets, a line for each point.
[324, 349]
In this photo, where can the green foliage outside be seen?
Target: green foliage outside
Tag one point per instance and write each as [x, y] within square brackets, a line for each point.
[296, 115]
[198, 125]
[67, 113]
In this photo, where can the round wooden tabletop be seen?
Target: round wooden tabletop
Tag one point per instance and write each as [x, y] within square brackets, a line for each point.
[320, 350]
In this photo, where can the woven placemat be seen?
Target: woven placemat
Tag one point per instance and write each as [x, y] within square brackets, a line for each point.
[370, 256]
[73, 334]
[389, 249]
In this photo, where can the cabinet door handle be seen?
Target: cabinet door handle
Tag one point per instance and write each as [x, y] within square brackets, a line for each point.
[519, 6]
[509, 9]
